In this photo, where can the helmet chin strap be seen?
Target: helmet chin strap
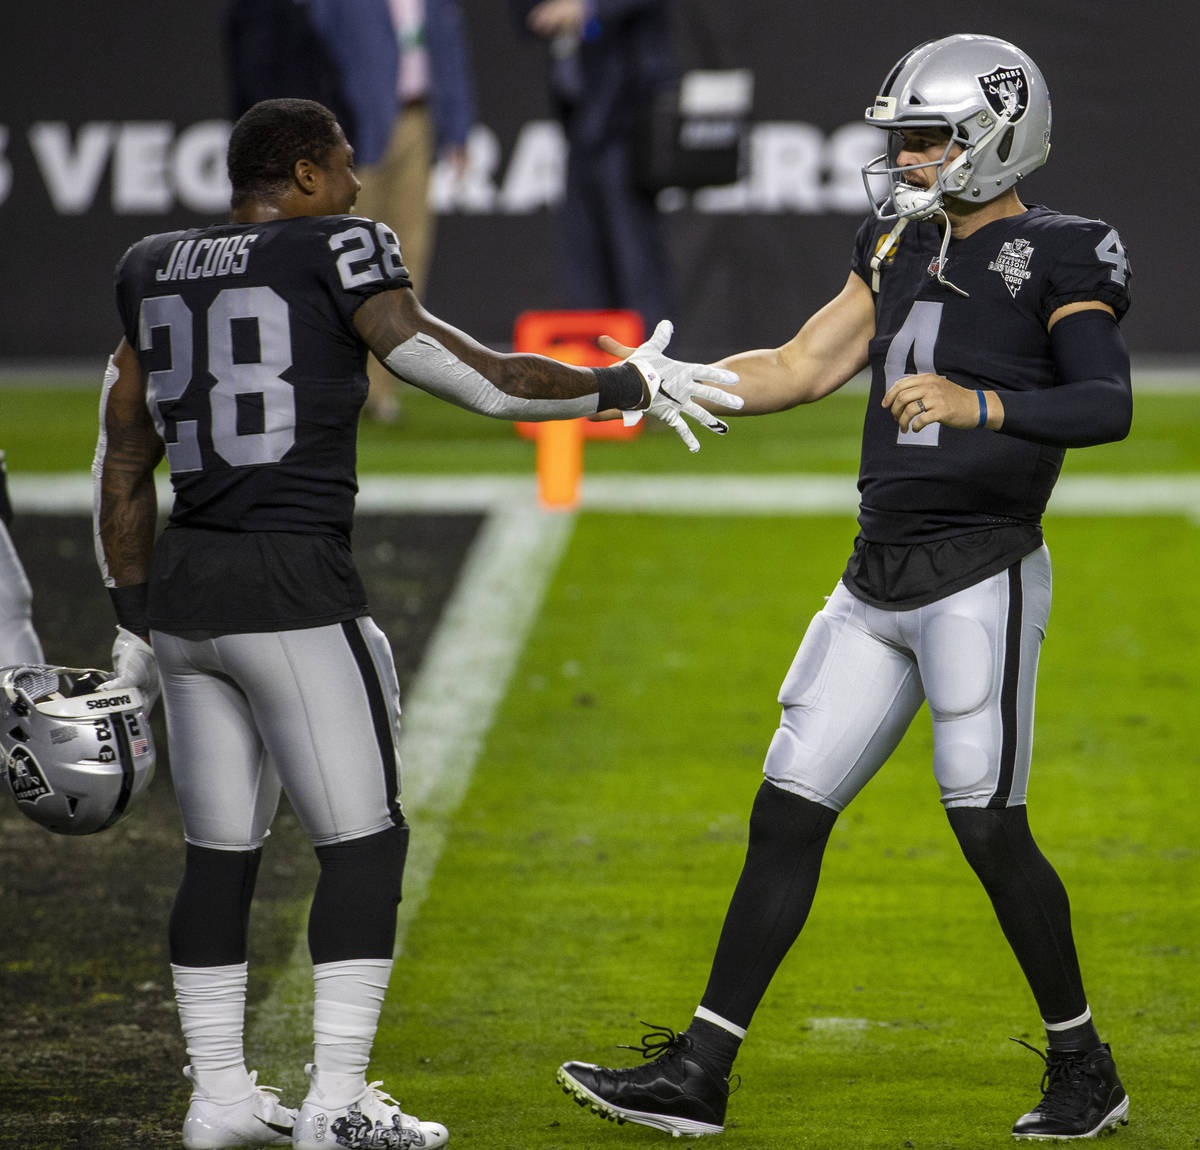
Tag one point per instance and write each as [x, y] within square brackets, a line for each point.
[934, 208]
[884, 250]
[941, 260]
[914, 203]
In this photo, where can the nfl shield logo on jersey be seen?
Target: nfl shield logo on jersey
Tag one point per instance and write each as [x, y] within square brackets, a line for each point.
[1006, 90]
[1012, 262]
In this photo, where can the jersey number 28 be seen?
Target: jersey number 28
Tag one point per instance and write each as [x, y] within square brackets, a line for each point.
[235, 380]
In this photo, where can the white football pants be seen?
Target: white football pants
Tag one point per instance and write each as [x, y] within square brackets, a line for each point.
[861, 674]
[314, 711]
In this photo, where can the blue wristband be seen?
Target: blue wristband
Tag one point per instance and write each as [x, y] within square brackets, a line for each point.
[982, 408]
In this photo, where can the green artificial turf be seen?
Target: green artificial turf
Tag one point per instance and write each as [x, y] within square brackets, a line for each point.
[53, 428]
[587, 872]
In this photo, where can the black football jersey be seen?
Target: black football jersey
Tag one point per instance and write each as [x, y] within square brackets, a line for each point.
[942, 483]
[255, 377]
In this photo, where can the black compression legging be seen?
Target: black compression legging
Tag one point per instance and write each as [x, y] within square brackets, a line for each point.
[1030, 902]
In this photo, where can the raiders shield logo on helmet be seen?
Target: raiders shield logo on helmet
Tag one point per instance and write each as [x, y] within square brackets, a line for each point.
[25, 777]
[1006, 91]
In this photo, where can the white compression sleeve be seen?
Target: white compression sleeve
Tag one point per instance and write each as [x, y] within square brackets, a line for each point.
[423, 361]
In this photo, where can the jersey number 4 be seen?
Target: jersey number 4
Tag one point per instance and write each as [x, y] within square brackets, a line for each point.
[917, 337]
[235, 381]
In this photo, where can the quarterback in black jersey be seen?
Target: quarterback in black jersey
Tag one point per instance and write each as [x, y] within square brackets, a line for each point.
[991, 332]
[243, 361]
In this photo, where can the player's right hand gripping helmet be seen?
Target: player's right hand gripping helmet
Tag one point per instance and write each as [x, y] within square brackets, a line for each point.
[73, 752]
[993, 99]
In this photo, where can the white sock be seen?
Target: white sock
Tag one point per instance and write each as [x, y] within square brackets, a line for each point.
[1070, 1024]
[706, 1015]
[348, 997]
[212, 1013]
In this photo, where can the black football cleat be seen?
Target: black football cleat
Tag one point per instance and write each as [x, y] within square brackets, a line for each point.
[1081, 1097]
[674, 1092]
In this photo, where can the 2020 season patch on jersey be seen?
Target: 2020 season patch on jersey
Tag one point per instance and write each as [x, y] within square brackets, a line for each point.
[1012, 262]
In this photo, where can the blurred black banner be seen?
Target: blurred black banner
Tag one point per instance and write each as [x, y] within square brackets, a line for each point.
[113, 121]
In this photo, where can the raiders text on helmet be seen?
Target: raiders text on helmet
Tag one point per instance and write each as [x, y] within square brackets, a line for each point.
[73, 753]
[992, 98]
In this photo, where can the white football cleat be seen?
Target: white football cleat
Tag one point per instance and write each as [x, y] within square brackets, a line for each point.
[259, 1119]
[374, 1119]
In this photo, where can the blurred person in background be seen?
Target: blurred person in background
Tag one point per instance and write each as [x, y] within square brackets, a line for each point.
[992, 332]
[340, 53]
[435, 108]
[605, 59]
[397, 74]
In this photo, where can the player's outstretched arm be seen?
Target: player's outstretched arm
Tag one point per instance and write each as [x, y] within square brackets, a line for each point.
[828, 350]
[420, 348]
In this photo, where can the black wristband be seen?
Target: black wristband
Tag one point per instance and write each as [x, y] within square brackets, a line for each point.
[130, 606]
[620, 386]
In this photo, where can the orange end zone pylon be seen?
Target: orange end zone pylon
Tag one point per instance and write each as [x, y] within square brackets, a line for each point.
[570, 336]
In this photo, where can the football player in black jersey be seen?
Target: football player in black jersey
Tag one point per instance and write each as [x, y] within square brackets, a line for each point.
[991, 331]
[243, 361]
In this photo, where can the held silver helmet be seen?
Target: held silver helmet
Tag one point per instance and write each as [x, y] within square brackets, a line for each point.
[992, 98]
[73, 752]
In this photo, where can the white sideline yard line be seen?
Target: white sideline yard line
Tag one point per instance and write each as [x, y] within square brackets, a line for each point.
[465, 672]
[447, 714]
[793, 494]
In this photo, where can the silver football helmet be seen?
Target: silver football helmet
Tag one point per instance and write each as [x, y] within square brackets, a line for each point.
[73, 752]
[994, 101]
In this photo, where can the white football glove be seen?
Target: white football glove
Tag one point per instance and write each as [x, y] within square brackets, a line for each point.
[135, 665]
[675, 387]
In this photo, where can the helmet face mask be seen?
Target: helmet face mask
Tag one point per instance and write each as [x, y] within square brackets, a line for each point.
[74, 752]
[885, 176]
[992, 99]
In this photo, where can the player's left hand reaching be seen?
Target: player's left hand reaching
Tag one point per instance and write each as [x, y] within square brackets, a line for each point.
[675, 387]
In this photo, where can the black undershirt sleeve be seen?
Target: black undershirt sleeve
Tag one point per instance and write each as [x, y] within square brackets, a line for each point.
[1093, 402]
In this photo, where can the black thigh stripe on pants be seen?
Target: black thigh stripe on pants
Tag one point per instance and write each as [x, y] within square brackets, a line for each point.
[380, 719]
[1008, 692]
